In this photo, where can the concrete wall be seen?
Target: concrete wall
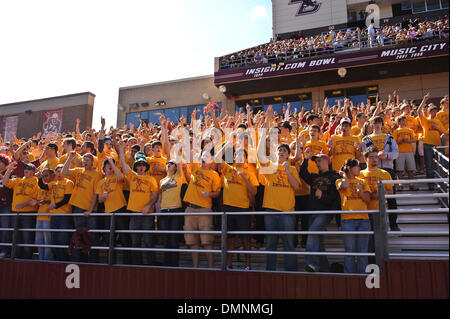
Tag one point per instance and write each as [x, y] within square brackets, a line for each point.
[179, 93]
[30, 123]
[331, 12]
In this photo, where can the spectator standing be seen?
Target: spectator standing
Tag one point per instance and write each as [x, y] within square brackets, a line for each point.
[204, 185]
[388, 152]
[323, 196]
[6, 196]
[143, 196]
[355, 193]
[25, 191]
[84, 199]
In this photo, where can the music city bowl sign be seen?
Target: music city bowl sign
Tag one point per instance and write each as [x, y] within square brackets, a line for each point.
[336, 61]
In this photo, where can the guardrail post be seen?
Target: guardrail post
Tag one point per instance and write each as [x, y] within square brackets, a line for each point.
[112, 229]
[224, 241]
[14, 237]
[380, 229]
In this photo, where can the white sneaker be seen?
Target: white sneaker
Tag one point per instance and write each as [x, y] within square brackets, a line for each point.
[2, 254]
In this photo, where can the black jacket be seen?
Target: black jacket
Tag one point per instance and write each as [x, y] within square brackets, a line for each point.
[326, 182]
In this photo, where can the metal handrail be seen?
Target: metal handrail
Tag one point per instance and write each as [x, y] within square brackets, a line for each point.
[416, 181]
[379, 218]
[436, 195]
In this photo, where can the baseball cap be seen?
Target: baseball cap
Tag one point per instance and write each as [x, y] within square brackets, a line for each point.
[346, 120]
[319, 156]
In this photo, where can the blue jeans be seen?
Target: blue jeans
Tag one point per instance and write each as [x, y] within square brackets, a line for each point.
[280, 222]
[6, 222]
[121, 223]
[357, 244]
[171, 240]
[428, 157]
[26, 237]
[142, 222]
[90, 223]
[61, 238]
[43, 238]
[315, 242]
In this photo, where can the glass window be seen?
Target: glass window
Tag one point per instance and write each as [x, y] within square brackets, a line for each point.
[444, 4]
[406, 5]
[358, 99]
[418, 6]
[184, 112]
[153, 116]
[133, 118]
[433, 4]
[307, 104]
[173, 114]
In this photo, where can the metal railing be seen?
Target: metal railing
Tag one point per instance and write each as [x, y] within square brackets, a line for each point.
[357, 42]
[441, 169]
[383, 244]
[380, 232]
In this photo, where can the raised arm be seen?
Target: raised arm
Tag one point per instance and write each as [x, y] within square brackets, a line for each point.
[66, 168]
[115, 169]
[18, 153]
[121, 147]
[8, 172]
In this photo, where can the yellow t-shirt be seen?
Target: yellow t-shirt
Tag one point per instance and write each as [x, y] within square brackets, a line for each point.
[141, 189]
[43, 195]
[400, 134]
[77, 159]
[431, 136]
[316, 148]
[24, 189]
[443, 117]
[49, 163]
[304, 189]
[278, 192]
[170, 187]
[202, 181]
[378, 141]
[355, 130]
[235, 192]
[351, 199]
[113, 187]
[372, 178]
[412, 123]
[58, 189]
[344, 149]
[85, 185]
[157, 162]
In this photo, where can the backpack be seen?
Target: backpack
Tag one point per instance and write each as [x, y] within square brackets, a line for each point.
[81, 239]
[368, 142]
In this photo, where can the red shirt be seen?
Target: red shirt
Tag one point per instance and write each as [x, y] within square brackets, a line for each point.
[5, 194]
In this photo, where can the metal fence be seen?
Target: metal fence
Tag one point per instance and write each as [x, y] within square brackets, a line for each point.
[380, 232]
[382, 247]
[358, 42]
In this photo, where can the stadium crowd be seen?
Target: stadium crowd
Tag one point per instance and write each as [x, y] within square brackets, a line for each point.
[329, 158]
[333, 41]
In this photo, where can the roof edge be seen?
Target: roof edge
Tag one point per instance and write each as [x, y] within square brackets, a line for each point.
[48, 98]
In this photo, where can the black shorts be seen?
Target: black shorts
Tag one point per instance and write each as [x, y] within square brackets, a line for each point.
[238, 222]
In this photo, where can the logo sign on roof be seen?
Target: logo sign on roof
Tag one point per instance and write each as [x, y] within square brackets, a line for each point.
[306, 6]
